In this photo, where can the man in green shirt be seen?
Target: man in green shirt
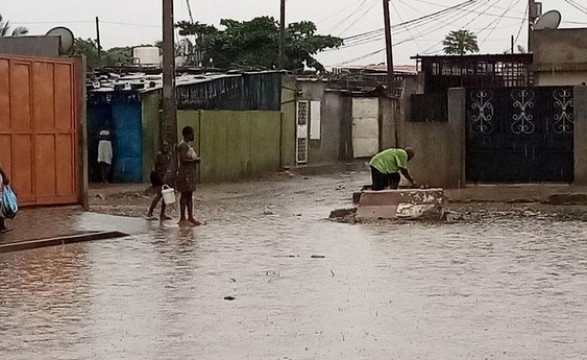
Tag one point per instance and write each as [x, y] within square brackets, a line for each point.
[387, 166]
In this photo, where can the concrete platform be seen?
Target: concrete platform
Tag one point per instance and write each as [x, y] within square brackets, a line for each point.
[402, 204]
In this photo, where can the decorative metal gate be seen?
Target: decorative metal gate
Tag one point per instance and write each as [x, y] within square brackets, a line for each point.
[520, 135]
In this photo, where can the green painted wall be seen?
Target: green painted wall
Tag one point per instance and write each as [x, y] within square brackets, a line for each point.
[189, 118]
[288, 134]
[151, 131]
[235, 145]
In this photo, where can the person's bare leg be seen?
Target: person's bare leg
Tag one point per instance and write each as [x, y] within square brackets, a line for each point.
[191, 218]
[182, 207]
[154, 203]
[3, 227]
[164, 217]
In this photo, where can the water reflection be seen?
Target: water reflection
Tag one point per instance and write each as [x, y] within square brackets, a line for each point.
[505, 289]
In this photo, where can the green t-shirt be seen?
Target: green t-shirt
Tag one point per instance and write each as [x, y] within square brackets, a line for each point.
[390, 161]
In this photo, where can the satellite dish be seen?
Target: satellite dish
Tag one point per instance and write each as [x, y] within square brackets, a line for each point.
[550, 20]
[66, 43]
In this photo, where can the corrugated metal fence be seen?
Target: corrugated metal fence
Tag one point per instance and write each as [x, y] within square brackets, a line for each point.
[250, 91]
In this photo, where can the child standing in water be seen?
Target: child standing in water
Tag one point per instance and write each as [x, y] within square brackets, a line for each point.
[187, 177]
[161, 175]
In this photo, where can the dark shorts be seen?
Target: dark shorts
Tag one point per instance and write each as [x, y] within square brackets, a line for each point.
[382, 181]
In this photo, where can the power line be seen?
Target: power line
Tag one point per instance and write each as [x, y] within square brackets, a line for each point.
[579, 7]
[495, 7]
[415, 22]
[498, 20]
[349, 16]
[400, 18]
[462, 27]
[522, 25]
[131, 24]
[360, 17]
[338, 12]
[376, 35]
[49, 22]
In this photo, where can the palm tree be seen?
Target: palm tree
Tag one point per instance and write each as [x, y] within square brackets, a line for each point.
[5, 29]
[460, 42]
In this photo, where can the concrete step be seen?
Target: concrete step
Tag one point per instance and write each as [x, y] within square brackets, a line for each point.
[402, 204]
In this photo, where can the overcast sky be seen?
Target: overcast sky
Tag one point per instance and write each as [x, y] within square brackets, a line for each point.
[134, 22]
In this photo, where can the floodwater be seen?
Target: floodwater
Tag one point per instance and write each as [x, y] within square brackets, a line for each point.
[303, 288]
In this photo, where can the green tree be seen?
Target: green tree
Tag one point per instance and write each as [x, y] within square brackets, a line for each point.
[255, 44]
[115, 57]
[7, 30]
[460, 42]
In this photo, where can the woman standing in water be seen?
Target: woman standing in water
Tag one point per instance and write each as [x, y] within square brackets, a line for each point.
[187, 177]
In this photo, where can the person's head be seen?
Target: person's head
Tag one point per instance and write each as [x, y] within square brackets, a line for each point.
[411, 153]
[165, 147]
[188, 133]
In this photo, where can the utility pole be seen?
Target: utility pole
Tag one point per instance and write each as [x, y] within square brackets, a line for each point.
[534, 12]
[169, 121]
[389, 48]
[282, 35]
[530, 23]
[98, 43]
[513, 44]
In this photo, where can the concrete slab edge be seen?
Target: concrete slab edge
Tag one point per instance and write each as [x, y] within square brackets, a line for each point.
[65, 240]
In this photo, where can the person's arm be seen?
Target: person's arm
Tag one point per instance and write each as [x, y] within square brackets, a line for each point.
[4, 177]
[407, 175]
[160, 165]
[183, 152]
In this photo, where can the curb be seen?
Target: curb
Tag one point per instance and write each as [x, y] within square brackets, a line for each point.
[35, 244]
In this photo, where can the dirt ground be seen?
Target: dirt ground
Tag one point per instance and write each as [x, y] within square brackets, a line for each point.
[475, 203]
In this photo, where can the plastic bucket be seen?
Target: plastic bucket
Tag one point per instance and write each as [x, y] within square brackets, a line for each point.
[168, 195]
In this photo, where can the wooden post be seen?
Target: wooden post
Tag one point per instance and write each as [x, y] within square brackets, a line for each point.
[389, 48]
[98, 42]
[282, 35]
[169, 121]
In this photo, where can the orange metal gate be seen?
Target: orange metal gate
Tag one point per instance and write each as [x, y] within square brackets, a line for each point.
[38, 129]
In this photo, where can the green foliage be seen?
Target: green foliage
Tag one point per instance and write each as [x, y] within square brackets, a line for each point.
[255, 44]
[115, 57]
[7, 30]
[460, 42]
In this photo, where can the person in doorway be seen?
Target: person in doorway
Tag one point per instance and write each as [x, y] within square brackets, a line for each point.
[387, 166]
[161, 175]
[4, 181]
[187, 177]
[105, 152]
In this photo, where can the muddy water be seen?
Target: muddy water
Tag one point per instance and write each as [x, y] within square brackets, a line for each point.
[505, 289]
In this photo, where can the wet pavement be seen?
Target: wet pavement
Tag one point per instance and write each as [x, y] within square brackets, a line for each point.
[302, 287]
[53, 222]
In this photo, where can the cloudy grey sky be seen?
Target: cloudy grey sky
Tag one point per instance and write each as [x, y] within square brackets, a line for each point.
[134, 22]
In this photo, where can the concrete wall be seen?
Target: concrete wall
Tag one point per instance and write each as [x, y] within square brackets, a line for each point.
[440, 146]
[326, 149]
[559, 57]
[580, 140]
[288, 109]
[151, 132]
[235, 145]
[40, 46]
[394, 113]
[335, 123]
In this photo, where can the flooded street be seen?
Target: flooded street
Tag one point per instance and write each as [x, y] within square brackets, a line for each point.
[269, 278]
